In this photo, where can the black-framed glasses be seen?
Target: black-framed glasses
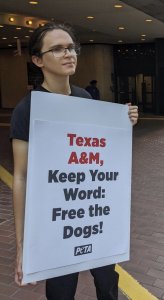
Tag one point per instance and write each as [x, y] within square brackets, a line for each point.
[59, 51]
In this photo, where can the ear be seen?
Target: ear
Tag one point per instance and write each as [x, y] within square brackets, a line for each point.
[37, 61]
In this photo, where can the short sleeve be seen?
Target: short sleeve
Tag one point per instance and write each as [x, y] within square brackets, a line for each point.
[20, 120]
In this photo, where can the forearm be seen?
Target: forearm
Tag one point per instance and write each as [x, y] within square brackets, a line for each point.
[20, 150]
[19, 190]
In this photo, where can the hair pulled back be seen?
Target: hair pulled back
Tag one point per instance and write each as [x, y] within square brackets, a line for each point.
[36, 39]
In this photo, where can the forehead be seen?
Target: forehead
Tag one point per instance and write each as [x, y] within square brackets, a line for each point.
[57, 37]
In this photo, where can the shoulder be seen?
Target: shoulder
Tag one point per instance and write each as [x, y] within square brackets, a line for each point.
[20, 119]
[79, 92]
[23, 106]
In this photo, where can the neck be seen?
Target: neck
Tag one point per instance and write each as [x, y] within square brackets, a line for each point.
[61, 86]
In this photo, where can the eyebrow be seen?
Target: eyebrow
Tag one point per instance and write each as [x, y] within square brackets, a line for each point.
[59, 45]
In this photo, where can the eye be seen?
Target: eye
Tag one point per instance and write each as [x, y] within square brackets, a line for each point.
[71, 47]
[57, 49]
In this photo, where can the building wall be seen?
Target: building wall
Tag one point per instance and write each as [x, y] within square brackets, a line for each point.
[13, 77]
[95, 62]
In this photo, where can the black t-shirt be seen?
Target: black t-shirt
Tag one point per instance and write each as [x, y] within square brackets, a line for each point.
[21, 115]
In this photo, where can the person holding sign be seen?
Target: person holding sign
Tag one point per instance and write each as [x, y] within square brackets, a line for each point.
[54, 50]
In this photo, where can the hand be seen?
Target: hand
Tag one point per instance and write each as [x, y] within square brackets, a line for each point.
[18, 269]
[133, 113]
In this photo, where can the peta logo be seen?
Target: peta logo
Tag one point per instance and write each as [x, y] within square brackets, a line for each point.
[80, 250]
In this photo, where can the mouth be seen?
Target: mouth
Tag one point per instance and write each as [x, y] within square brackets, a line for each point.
[69, 63]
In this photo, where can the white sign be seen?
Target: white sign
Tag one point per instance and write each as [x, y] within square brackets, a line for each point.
[78, 186]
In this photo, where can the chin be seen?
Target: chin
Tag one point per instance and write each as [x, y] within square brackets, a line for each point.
[70, 72]
[70, 69]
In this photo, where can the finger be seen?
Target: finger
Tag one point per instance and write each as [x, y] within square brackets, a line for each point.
[34, 283]
[23, 284]
[18, 276]
[134, 121]
[133, 114]
[18, 279]
[133, 108]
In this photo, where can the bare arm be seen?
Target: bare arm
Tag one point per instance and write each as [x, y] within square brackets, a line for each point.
[20, 152]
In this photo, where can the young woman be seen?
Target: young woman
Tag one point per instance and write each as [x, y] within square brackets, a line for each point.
[54, 50]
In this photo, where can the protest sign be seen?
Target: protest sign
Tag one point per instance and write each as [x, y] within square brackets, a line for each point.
[78, 186]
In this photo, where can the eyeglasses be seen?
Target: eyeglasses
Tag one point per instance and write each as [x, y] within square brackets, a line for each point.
[59, 51]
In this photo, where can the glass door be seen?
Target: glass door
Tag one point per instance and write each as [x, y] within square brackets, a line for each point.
[126, 89]
[138, 89]
[147, 93]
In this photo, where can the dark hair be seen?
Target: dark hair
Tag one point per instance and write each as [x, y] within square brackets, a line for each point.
[36, 39]
[94, 81]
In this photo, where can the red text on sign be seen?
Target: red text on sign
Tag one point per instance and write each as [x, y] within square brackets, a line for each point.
[85, 158]
[85, 141]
